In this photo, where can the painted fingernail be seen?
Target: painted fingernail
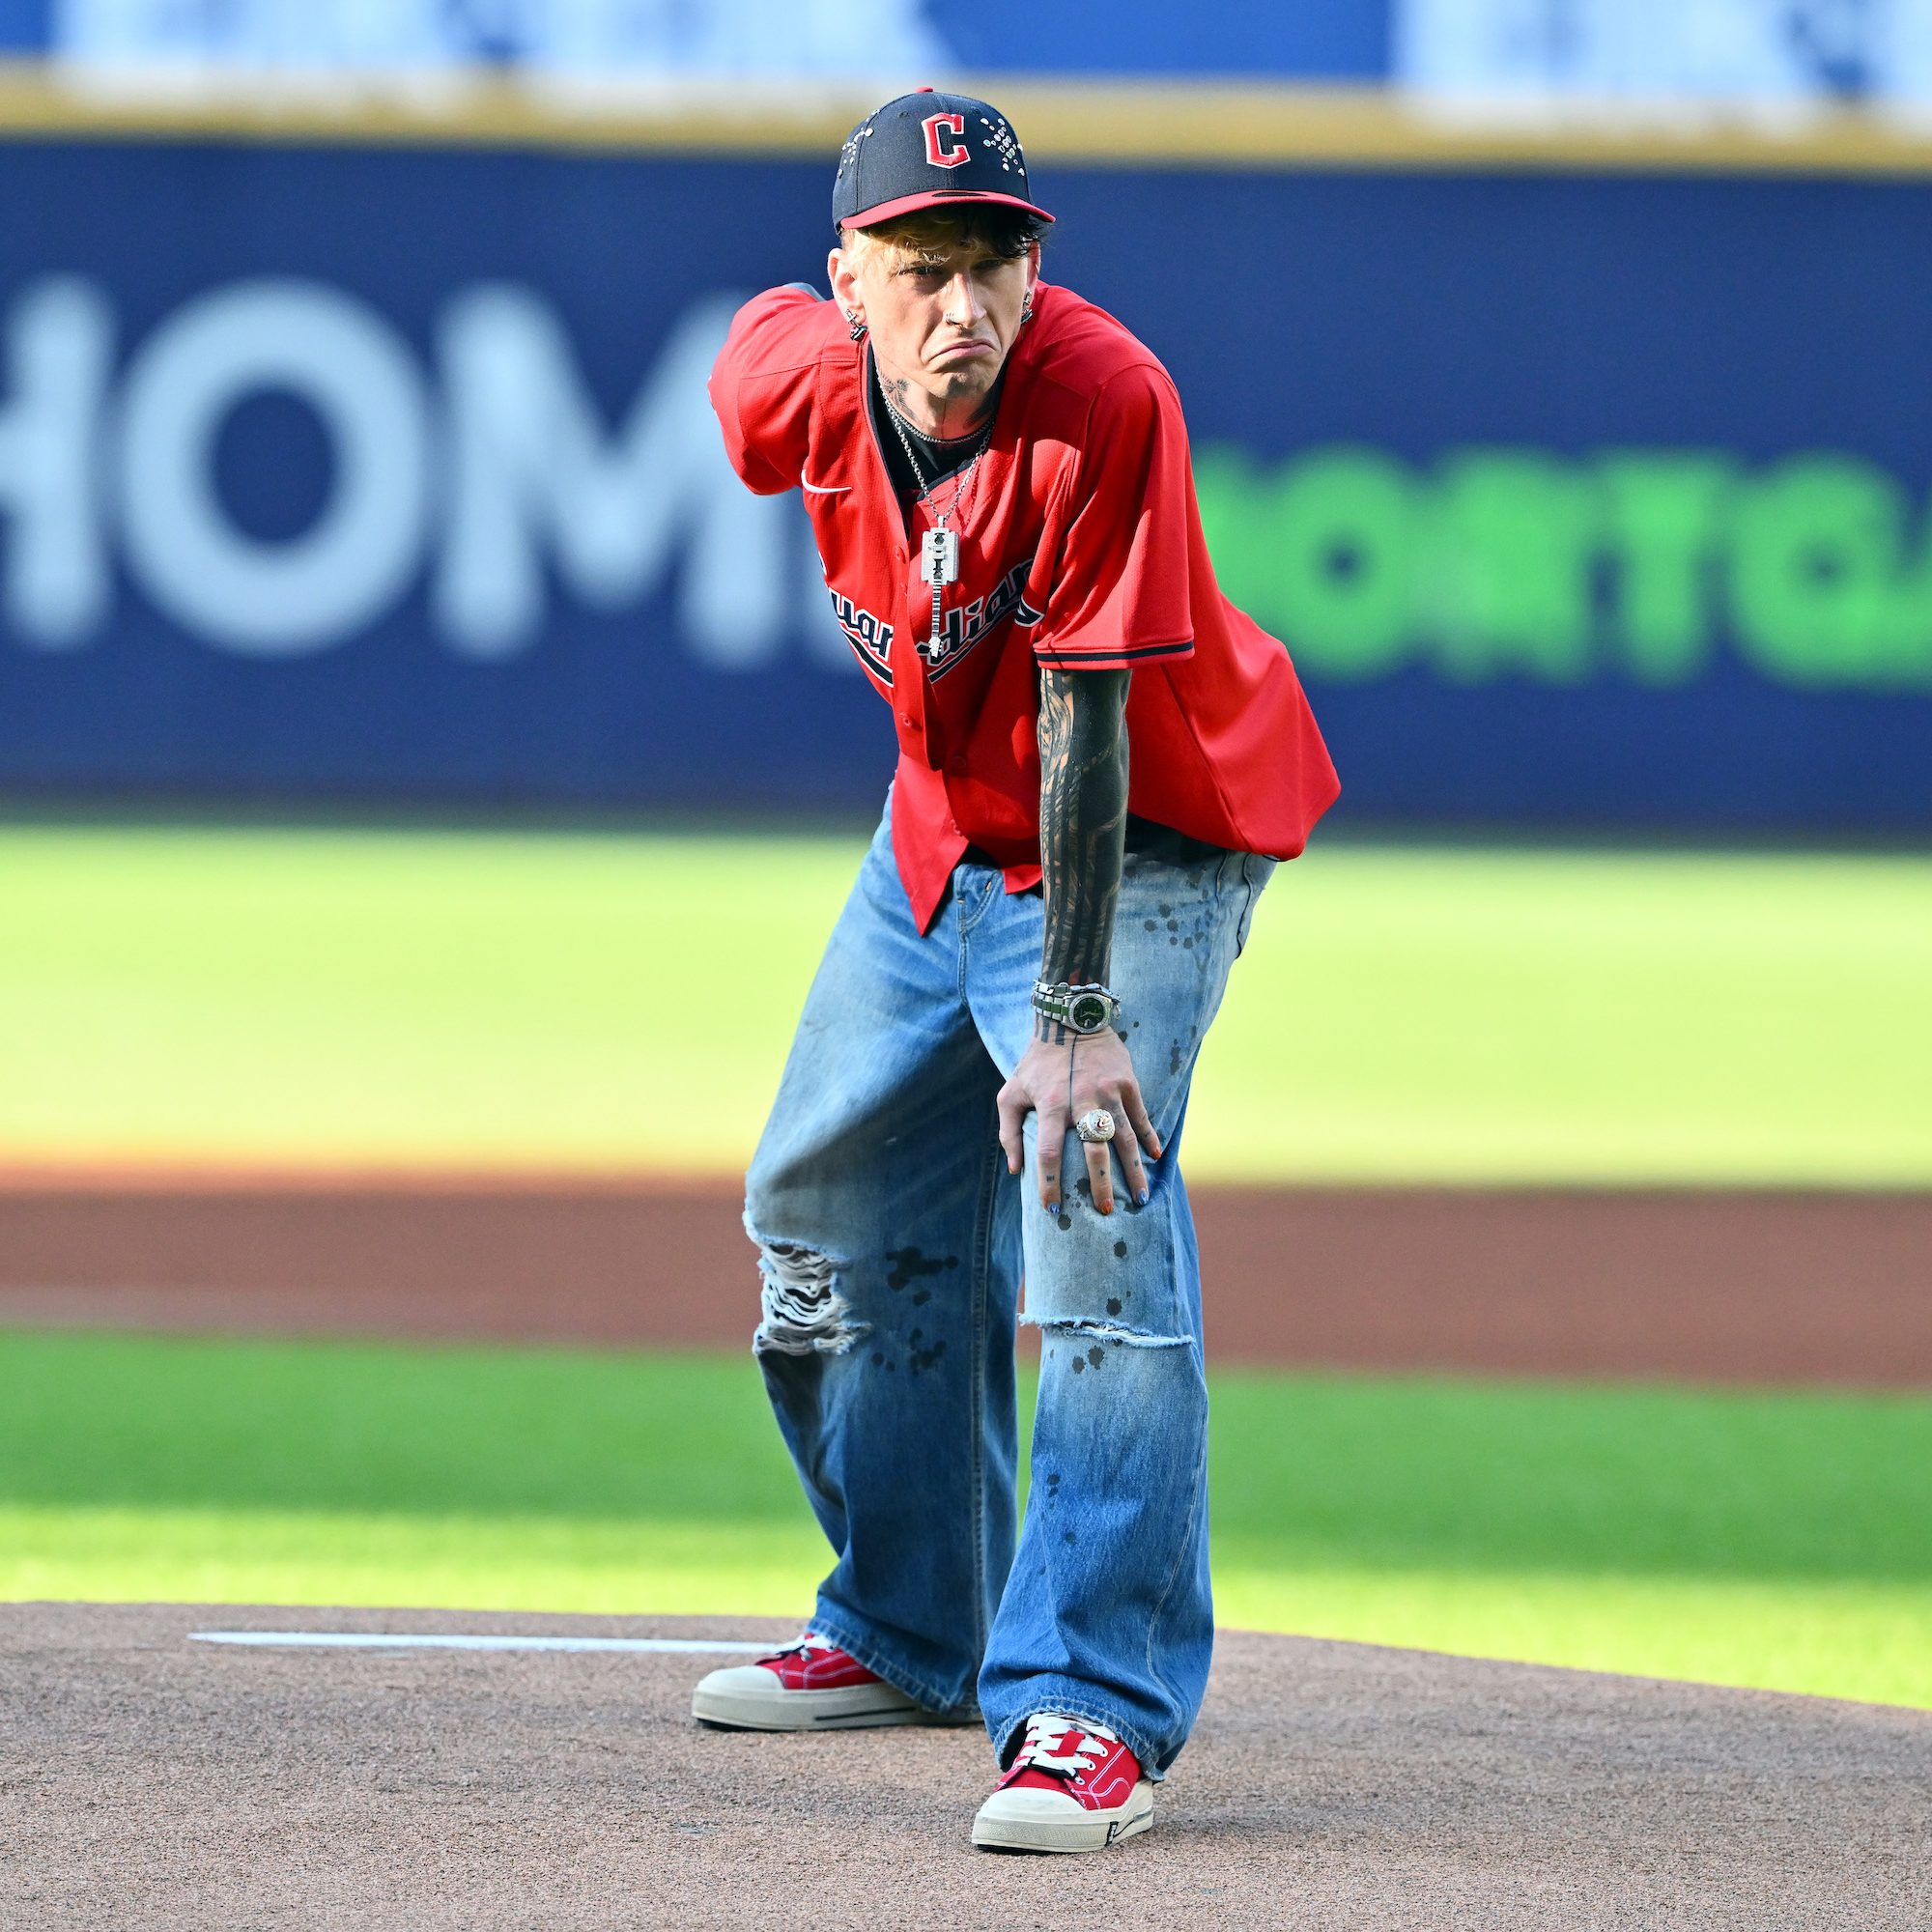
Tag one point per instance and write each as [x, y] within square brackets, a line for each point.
[1143, 1197]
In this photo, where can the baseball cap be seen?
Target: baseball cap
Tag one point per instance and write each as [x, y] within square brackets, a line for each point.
[928, 149]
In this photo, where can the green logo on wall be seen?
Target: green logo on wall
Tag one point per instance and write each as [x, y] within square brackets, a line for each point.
[1642, 564]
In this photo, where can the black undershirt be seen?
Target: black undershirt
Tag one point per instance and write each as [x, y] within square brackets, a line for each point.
[936, 457]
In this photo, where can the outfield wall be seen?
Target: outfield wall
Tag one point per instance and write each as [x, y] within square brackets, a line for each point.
[1587, 484]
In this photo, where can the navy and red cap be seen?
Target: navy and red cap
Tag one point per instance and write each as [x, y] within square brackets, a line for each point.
[928, 149]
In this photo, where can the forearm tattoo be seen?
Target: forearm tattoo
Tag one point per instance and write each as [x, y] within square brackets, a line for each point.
[1083, 823]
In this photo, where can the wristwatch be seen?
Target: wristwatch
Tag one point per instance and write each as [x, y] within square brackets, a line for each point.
[1082, 1009]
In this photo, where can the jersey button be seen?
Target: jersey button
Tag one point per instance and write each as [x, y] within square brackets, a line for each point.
[906, 720]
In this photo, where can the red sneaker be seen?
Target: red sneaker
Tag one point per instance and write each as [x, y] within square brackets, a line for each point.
[810, 1685]
[1073, 1787]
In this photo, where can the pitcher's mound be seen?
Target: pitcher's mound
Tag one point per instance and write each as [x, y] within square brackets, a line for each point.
[147, 1780]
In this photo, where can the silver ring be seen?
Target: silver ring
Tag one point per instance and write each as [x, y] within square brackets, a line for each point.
[1096, 1125]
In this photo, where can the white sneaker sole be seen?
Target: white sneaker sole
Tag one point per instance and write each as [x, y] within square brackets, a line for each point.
[1043, 1821]
[737, 1699]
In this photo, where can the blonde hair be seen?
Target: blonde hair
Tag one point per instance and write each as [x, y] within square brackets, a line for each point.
[929, 233]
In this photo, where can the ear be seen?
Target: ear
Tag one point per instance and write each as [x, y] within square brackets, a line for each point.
[839, 271]
[1033, 268]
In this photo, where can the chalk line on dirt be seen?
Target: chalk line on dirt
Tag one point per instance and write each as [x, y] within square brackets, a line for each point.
[453, 1640]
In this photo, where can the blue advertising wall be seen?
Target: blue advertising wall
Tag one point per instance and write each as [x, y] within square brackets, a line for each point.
[358, 473]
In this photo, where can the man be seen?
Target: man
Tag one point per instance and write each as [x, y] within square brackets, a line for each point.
[1100, 762]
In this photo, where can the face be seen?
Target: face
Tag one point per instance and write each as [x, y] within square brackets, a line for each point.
[942, 324]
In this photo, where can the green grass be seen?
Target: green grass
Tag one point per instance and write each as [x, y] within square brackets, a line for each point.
[1780, 1540]
[619, 1002]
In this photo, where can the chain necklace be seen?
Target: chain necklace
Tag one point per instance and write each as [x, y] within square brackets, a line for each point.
[939, 548]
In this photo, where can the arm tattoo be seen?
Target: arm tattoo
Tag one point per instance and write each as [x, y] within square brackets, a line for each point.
[1083, 823]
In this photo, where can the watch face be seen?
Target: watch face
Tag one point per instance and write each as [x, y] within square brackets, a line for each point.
[1086, 1013]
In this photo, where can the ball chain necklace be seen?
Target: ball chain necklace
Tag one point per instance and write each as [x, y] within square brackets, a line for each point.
[939, 548]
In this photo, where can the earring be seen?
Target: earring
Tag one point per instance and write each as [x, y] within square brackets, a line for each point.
[1026, 311]
[858, 326]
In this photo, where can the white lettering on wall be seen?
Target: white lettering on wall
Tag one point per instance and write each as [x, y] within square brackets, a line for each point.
[307, 592]
[59, 348]
[502, 479]
[531, 472]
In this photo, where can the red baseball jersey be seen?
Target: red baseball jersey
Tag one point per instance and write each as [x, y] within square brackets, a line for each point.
[1080, 548]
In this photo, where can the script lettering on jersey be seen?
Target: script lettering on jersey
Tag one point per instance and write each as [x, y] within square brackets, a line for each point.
[871, 640]
[968, 623]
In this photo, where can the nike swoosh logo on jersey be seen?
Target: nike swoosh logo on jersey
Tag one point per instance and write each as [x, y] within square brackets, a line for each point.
[826, 489]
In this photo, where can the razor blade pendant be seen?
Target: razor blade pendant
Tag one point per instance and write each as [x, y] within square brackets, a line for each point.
[939, 557]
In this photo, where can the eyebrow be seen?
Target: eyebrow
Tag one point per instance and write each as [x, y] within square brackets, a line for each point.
[992, 258]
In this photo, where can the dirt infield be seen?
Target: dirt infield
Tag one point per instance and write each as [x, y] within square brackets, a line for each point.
[1721, 1286]
[148, 1780]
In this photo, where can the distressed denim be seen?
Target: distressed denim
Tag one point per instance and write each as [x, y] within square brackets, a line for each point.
[893, 1244]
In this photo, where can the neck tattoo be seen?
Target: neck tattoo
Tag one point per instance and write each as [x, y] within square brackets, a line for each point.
[939, 548]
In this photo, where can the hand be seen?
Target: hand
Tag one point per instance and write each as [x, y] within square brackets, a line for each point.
[1060, 1084]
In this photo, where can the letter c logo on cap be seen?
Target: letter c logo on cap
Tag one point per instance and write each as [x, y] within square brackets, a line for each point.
[946, 141]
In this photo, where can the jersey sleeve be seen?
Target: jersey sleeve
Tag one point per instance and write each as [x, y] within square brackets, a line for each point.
[762, 384]
[1118, 593]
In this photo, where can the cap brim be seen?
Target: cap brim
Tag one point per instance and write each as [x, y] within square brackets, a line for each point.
[909, 204]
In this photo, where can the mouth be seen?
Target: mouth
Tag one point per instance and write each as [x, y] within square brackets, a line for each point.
[963, 350]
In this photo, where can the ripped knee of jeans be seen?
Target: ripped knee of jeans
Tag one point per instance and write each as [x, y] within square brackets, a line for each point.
[1089, 1343]
[804, 1313]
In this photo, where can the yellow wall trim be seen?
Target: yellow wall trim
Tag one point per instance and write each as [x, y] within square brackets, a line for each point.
[1070, 122]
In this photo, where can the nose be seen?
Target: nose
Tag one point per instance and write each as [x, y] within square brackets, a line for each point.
[963, 307]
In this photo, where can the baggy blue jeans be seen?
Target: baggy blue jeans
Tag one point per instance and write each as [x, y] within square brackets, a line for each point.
[892, 1243]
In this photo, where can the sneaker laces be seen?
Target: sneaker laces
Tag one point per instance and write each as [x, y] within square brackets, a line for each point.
[804, 1642]
[1046, 1746]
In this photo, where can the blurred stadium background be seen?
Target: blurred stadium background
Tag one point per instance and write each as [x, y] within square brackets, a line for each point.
[426, 779]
